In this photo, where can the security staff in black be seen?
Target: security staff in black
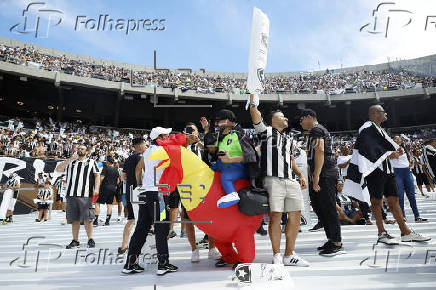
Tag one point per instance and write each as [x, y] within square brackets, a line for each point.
[129, 178]
[324, 175]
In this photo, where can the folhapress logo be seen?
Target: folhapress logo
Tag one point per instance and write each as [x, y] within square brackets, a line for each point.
[107, 23]
[38, 19]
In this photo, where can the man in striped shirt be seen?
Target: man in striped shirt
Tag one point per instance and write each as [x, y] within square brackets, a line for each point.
[419, 169]
[277, 165]
[83, 181]
[429, 155]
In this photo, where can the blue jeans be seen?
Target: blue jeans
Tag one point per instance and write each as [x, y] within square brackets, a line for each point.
[230, 172]
[404, 179]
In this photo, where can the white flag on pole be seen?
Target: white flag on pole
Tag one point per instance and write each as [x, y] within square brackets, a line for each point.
[258, 54]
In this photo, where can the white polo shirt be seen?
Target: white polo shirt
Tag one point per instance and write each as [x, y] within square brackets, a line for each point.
[149, 178]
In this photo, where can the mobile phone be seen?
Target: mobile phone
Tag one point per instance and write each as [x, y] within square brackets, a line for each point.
[189, 130]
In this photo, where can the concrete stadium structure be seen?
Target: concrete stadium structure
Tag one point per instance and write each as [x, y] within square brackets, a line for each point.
[101, 102]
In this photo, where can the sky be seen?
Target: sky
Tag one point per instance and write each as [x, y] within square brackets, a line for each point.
[215, 34]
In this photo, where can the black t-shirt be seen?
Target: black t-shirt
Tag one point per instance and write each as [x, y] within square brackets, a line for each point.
[129, 169]
[329, 168]
[111, 175]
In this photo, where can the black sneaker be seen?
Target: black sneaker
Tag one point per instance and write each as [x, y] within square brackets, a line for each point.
[325, 246]
[261, 231]
[133, 269]
[171, 234]
[205, 240]
[9, 220]
[220, 263]
[95, 223]
[73, 245]
[421, 220]
[122, 251]
[106, 223]
[303, 221]
[37, 220]
[91, 243]
[163, 269]
[317, 227]
[332, 251]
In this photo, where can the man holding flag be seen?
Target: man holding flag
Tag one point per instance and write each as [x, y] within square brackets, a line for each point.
[277, 160]
[370, 171]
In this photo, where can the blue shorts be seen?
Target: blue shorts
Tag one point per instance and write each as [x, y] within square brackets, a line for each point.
[350, 213]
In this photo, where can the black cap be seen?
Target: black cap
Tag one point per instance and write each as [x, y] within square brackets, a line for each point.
[210, 139]
[307, 112]
[137, 141]
[225, 115]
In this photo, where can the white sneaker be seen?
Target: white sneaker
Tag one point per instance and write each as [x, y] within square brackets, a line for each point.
[119, 219]
[214, 254]
[228, 200]
[387, 239]
[414, 237]
[195, 258]
[295, 260]
[64, 222]
[277, 259]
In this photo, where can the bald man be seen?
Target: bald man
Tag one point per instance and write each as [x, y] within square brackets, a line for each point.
[381, 182]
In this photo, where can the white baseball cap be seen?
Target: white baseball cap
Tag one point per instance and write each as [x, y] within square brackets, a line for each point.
[155, 132]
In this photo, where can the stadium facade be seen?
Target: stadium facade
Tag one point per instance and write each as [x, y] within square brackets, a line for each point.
[27, 91]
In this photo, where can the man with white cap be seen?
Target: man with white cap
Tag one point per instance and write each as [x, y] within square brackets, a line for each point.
[149, 211]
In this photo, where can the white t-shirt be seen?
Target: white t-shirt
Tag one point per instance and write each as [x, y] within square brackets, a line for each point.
[342, 159]
[401, 162]
[149, 178]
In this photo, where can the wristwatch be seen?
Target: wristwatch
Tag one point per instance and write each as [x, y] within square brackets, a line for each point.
[253, 105]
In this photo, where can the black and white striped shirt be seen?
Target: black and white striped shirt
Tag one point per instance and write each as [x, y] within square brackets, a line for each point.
[429, 157]
[344, 201]
[12, 182]
[276, 151]
[417, 168]
[196, 149]
[60, 185]
[44, 193]
[80, 177]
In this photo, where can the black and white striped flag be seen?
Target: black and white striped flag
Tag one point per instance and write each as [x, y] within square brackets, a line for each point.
[372, 147]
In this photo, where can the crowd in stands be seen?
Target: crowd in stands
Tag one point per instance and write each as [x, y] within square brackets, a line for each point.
[307, 83]
[48, 139]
